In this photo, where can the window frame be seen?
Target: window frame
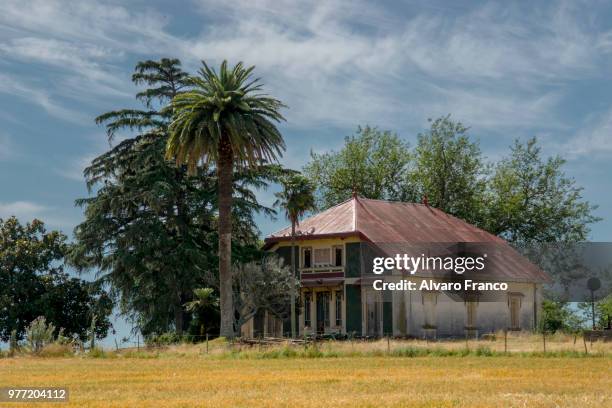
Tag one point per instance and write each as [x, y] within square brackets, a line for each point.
[303, 257]
[307, 312]
[322, 264]
[339, 295]
[335, 255]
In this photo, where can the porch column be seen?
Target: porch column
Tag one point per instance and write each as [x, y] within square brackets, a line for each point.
[301, 315]
[313, 312]
[364, 312]
[265, 325]
[344, 309]
[332, 309]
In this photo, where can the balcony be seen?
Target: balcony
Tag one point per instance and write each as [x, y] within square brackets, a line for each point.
[322, 275]
[321, 269]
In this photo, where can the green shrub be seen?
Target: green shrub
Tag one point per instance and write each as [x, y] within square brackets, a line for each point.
[97, 352]
[39, 334]
[164, 339]
[483, 351]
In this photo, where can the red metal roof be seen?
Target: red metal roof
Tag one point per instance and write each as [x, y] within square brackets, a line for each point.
[387, 221]
[333, 221]
[381, 221]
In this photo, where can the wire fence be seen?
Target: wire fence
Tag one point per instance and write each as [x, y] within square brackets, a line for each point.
[501, 342]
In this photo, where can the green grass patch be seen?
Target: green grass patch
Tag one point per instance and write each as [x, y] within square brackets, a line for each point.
[287, 352]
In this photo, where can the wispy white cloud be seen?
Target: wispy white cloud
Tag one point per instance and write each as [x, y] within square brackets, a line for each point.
[334, 62]
[488, 109]
[504, 42]
[73, 169]
[343, 63]
[26, 211]
[593, 140]
[85, 43]
[106, 24]
[85, 61]
[12, 85]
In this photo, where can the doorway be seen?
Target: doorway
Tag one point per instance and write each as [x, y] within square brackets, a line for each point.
[373, 310]
[323, 299]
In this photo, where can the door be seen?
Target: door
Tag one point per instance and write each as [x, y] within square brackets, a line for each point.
[322, 311]
[515, 308]
[258, 324]
[373, 314]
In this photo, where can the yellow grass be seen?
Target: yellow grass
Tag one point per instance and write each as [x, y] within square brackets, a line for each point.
[184, 376]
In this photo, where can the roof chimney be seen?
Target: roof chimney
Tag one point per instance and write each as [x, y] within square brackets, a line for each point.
[425, 200]
[354, 195]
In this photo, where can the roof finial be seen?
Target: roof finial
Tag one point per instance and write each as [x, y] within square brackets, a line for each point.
[354, 191]
[426, 200]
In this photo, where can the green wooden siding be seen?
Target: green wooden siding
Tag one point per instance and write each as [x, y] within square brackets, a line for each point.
[285, 254]
[387, 318]
[353, 260]
[353, 309]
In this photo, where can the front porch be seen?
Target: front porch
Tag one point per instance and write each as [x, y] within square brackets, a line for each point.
[323, 310]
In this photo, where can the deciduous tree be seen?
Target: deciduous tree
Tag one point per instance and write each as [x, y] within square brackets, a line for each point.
[530, 199]
[372, 163]
[33, 283]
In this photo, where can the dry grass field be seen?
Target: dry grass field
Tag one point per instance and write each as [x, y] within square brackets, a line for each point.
[356, 374]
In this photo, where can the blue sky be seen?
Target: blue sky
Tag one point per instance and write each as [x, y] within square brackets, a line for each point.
[507, 70]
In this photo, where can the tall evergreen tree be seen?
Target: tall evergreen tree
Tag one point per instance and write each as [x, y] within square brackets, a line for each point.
[140, 228]
[150, 227]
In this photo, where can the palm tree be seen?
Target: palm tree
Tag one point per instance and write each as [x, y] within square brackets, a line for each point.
[297, 198]
[225, 120]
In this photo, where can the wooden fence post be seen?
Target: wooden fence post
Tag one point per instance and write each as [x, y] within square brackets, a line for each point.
[544, 340]
[206, 343]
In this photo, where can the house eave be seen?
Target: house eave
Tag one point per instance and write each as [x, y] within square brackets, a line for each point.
[270, 241]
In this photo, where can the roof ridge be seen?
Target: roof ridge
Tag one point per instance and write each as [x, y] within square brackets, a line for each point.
[439, 211]
[394, 201]
[354, 201]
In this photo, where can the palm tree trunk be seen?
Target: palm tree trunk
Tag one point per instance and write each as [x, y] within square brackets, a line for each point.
[224, 176]
[294, 274]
